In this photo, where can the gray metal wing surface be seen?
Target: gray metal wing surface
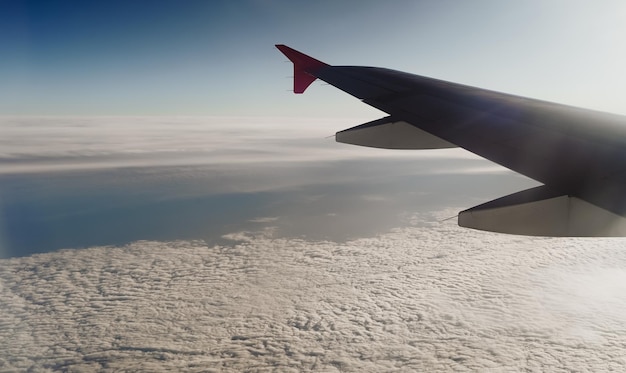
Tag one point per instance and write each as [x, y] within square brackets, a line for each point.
[578, 154]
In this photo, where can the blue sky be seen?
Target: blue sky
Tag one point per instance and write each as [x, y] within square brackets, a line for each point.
[217, 57]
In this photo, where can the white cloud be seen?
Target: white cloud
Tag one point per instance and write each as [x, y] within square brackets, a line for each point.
[35, 144]
[265, 219]
[427, 297]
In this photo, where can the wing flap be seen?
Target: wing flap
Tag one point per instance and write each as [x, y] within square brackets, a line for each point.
[388, 133]
[542, 211]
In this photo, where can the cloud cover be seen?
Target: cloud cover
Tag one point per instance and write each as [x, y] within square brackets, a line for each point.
[37, 144]
[427, 297]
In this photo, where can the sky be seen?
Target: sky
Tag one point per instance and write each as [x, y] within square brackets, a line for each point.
[166, 203]
[217, 57]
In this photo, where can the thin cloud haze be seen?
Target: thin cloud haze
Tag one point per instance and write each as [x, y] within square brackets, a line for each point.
[37, 144]
[81, 182]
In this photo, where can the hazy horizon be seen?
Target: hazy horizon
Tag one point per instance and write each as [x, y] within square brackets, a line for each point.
[123, 179]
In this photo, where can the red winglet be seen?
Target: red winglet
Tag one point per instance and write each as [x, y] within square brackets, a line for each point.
[304, 68]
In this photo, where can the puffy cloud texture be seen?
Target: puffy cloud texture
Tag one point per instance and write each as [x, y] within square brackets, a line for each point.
[427, 297]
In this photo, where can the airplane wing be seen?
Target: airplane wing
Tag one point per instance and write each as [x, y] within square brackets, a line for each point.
[578, 155]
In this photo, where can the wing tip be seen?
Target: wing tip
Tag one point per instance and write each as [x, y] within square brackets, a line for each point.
[304, 67]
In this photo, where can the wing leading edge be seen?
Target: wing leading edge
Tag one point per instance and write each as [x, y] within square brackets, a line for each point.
[578, 154]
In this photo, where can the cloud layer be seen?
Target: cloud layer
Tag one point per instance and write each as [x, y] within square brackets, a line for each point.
[427, 297]
[35, 144]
